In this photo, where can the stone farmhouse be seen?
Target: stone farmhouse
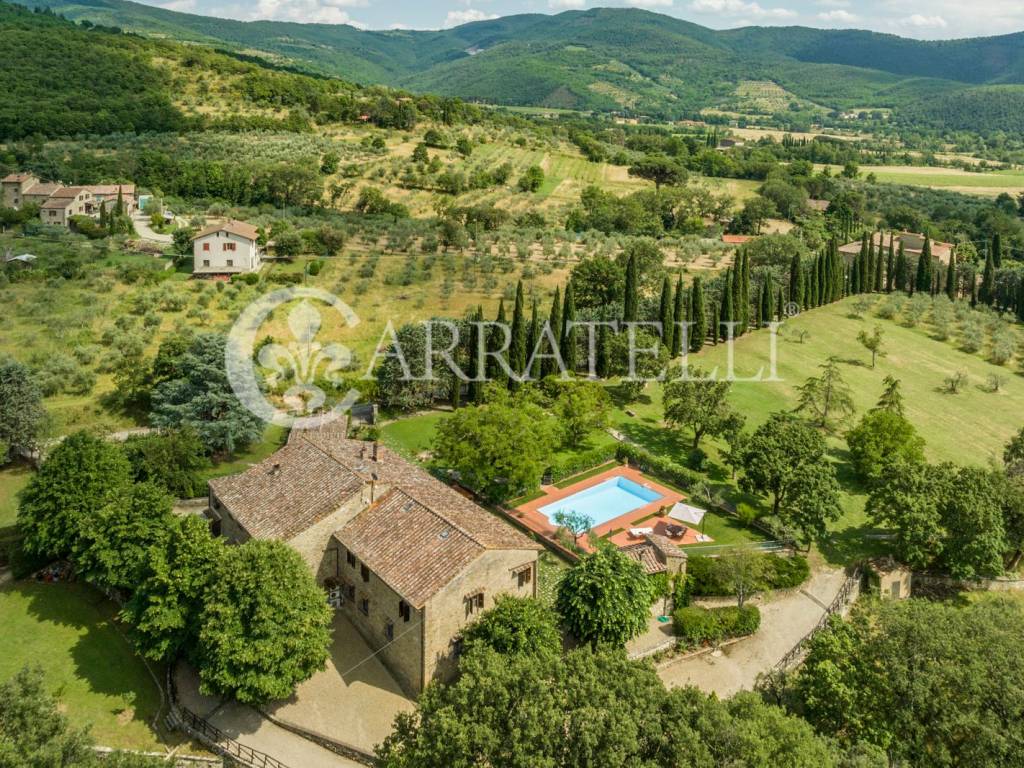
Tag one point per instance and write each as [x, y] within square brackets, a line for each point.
[228, 248]
[408, 559]
[913, 245]
[58, 203]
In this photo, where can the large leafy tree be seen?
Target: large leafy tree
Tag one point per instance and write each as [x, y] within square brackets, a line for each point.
[22, 416]
[112, 546]
[786, 459]
[865, 680]
[944, 515]
[164, 608]
[200, 397]
[172, 459]
[34, 733]
[698, 404]
[660, 169]
[605, 598]
[264, 625]
[515, 625]
[402, 380]
[590, 708]
[499, 448]
[81, 476]
[882, 437]
[581, 407]
[597, 282]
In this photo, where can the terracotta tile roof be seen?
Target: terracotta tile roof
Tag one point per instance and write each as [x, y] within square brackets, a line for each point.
[58, 202]
[665, 546]
[69, 191]
[413, 549]
[287, 492]
[736, 239]
[46, 188]
[111, 189]
[319, 469]
[646, 556]
[239, 228]
[13, 177]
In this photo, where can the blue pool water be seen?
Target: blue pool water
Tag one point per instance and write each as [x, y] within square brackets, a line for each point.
[604, 501]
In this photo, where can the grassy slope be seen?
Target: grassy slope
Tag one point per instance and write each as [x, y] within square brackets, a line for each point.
[67, 629]
[13, 478]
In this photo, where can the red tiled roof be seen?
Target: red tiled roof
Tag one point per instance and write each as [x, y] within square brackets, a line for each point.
[240, 228]
[12, 177]
[736, 239]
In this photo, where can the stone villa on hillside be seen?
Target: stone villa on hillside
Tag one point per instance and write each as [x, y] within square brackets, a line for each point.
[913, 244]
[57, 203]
[225, 249]
[409, 559]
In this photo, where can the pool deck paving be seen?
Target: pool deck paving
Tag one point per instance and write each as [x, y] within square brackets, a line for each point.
[652, 515]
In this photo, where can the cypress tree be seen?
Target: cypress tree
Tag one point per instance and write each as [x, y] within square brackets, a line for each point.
[567, 341]
[678, 316]
[496, 371]
[665, 312]
[924, 267]
[476, 387]
[902, 267]
[603, 364]
[780, 304]
[997, 250]
[630, 306]
[699, 331]
[533, 336]
[744, 314]
[869, 265]
[713, 317]
[517, 347]
[550, 366]
[767, 312]
[727, 313]
[736, 292]
[879, 265]
[103, 215]
[855, 276]
[119, 208]
[890, 266]
[860, 264]
[456, 394]
[1020, 298]
[759, 307]
[796, 280]
[987, 292]
[951, 286]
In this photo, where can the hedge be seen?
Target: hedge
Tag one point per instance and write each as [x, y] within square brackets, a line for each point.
[664, 468]
[581, 462]
[696, 626]
[780, 573]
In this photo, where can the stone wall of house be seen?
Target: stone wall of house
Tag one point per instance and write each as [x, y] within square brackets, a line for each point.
[229, 527]
[403, 653]
[315, 543]
[494, 573]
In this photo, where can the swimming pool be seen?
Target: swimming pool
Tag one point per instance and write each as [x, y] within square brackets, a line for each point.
[604, 501]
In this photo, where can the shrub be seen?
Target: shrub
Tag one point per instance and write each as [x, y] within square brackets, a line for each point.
[659, 466]
[787, 572]
[581, 462]
[779, 573]
[696, 626]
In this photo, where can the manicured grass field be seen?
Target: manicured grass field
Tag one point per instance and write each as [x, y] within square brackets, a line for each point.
[412, 436]
[273, 438]
[67, 629]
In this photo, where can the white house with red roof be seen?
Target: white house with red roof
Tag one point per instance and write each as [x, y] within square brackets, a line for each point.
[228, 248]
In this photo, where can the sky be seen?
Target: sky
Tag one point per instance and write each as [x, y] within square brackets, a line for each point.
[923, 19]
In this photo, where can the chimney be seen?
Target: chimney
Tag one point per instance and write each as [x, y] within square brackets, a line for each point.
[362, 452]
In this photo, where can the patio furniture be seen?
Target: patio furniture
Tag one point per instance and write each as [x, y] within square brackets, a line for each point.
[676, 531]
[637, 533]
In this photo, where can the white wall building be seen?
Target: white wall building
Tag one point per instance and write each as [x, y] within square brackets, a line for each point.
[225, 249]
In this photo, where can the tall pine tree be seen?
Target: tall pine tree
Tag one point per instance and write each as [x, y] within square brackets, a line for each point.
[665, 312]
[987, 291]
[678, 317]
[727, 311]
[550, 367]
[533, 338]
[567, 341]
[952, 290]
[699, 331]
[517, 347]
[890, 265]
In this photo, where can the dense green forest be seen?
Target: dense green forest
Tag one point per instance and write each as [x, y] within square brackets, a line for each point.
[629, 60]
[135, 84]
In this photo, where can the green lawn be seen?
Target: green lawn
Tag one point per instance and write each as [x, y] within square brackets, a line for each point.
[273, 438]
[413, 435]
[67, 629]
[13, 478]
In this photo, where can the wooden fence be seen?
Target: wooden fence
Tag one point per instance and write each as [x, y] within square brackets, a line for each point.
[213, 737]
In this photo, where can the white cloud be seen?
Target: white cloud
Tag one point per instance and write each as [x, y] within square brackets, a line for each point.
[564, 4]
[920, 21]
[649, 3]
[304, 11]
[738, 7]
[838, 17]
[455, 18]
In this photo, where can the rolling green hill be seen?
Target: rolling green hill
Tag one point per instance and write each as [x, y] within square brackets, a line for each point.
[627, 59]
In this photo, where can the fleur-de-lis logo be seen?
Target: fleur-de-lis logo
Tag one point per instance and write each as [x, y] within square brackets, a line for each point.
[303, 363]
[305, 360]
